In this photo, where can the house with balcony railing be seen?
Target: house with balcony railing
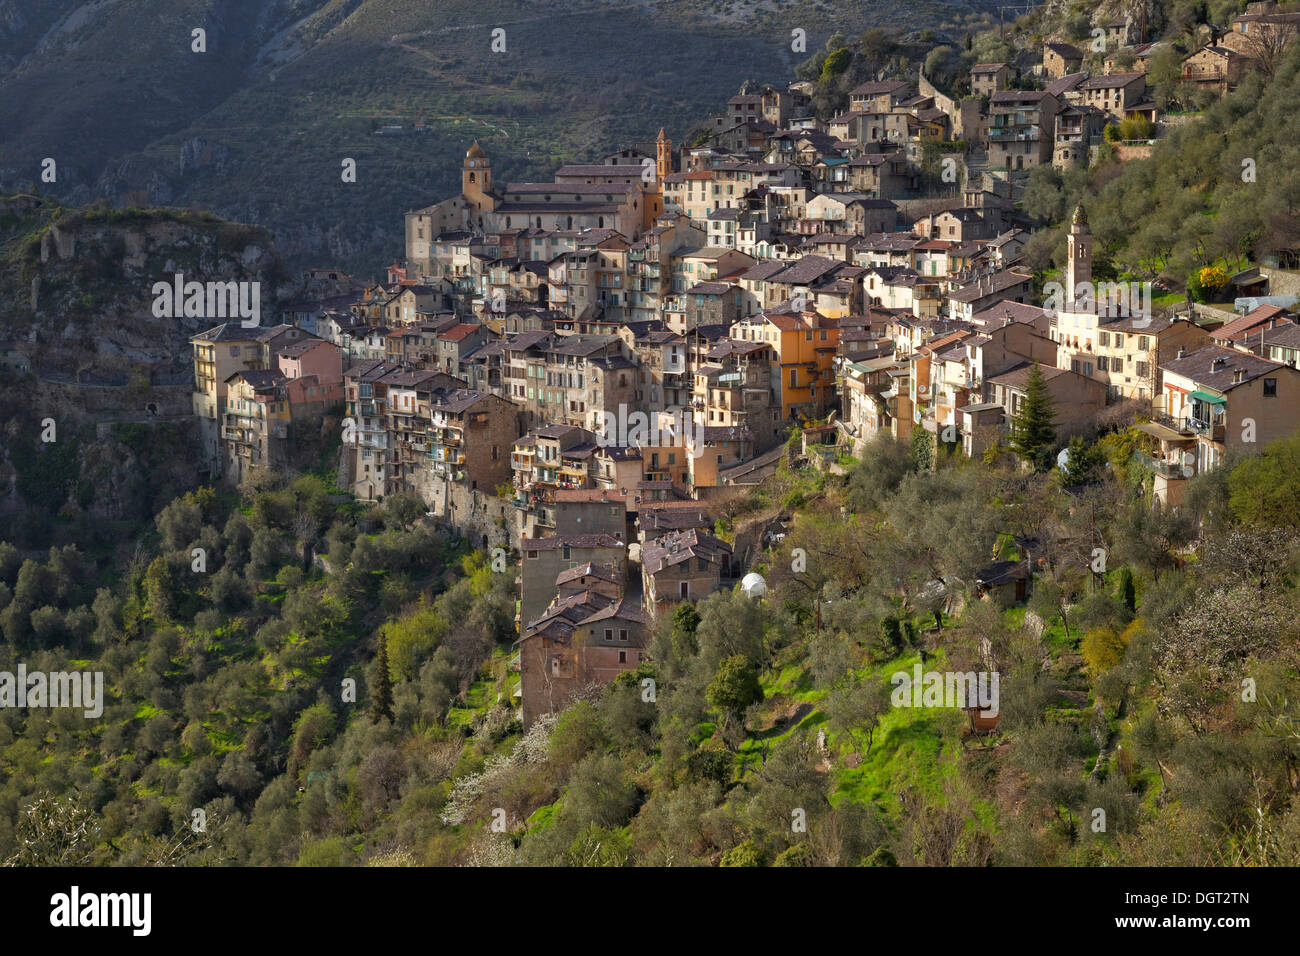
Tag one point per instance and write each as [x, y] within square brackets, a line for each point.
[1213, 402]
[1021, 128]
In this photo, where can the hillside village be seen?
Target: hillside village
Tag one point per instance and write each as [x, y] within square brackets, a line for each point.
[576, 372]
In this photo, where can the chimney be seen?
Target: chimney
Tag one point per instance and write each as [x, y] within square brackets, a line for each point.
[1182, 352]
[1238, 376]
[1218, 363]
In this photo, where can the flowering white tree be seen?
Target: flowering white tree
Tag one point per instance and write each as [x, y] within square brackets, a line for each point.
[532, 748]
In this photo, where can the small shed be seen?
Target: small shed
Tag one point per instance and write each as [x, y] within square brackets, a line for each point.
[1003, 582]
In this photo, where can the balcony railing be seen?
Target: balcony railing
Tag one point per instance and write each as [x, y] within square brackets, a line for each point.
[1165, 468]
[443, 436]
[1179, 425]
[1011, 134]
[1208, 430]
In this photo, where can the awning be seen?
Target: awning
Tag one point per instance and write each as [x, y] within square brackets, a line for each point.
[1212, 399]
[1163, 432]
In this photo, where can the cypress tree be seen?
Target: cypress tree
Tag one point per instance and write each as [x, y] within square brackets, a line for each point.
[381, 701]
[1127, 592]
[1033, 428]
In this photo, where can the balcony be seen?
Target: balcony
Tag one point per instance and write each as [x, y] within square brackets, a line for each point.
[1179, 425]
[1207, 430]
[447, 456]
[1164, 468]
[1013, 134]
[443, 436]
[533, 498]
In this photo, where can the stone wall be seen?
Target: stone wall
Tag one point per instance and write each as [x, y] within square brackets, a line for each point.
[483, 519]
[1281, 281]
[83, 403]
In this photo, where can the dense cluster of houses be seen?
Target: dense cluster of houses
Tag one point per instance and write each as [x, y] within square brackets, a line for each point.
[572, 369]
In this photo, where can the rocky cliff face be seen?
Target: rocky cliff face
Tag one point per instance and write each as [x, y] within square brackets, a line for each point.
[79, 287]
[94, 386]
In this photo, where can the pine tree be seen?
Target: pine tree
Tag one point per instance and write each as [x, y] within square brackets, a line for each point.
[1033, 428]
[381, 701]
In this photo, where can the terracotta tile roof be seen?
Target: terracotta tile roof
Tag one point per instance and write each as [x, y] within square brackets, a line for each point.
[1238, 327]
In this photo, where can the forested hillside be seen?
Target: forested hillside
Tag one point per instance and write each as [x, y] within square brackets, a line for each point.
[1157, 691]
[1220, 189]
[293, 677]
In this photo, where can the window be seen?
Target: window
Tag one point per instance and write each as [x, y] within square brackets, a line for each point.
[685, 588]
[1270, 388]
[567, 553]
[622, 657]
[622, 634]
[609, 634]
[532, 555]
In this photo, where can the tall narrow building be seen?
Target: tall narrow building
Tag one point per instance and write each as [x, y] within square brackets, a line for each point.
[663, 158]
[476, 181]
[1078, 269]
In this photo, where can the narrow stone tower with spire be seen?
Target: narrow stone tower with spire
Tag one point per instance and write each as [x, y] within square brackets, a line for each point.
[663, 158]
[1078, 269]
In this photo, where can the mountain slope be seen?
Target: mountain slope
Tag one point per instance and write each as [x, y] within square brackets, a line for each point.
[256, 128]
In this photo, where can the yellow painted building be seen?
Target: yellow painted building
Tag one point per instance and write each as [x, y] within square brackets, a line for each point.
[218, 354]
[803, 367]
